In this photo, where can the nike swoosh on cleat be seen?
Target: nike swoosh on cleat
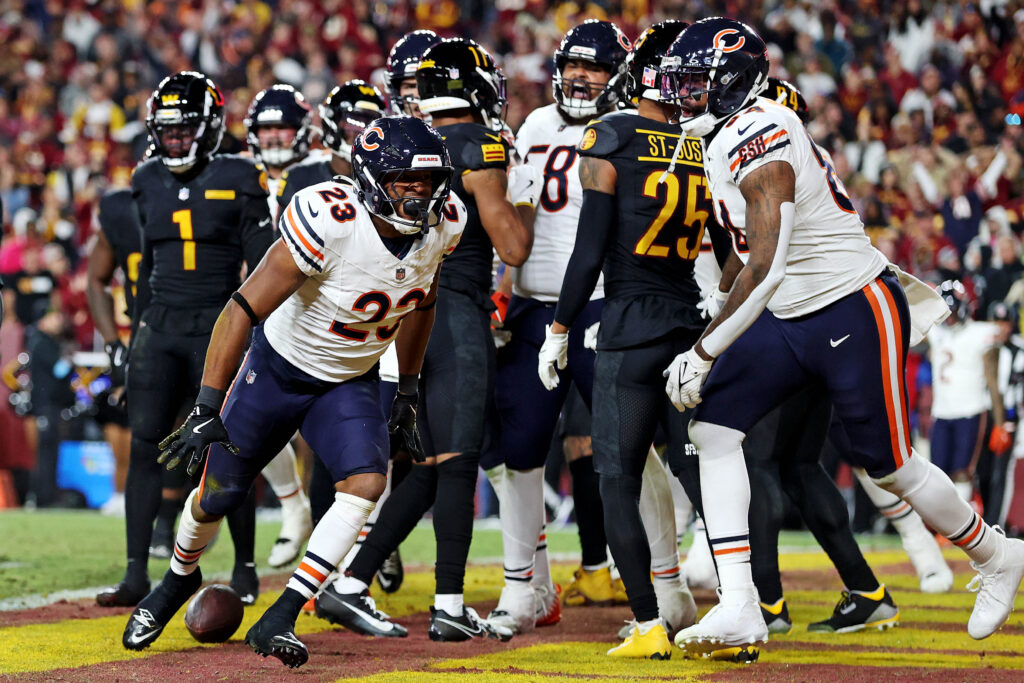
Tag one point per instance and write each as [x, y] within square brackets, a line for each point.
[847, 609]
[368, 617]
[837, 342]
[198, 428]
[472, 633]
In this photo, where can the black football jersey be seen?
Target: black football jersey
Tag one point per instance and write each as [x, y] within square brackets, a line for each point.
[300, 175]
[119, 222]
[649, 285]
[197, 230]
[471, 147]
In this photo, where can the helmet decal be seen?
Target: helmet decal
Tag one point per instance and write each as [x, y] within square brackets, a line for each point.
[719, 42]
[372, 130]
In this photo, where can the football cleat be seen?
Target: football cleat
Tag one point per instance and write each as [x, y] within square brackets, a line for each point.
[447, 628]
[517, 608]
[391, 573]
[147, 621]
[996, 587]
[296, 528]
[776, 617]
[122, 595]
[550, 605]
[590, 588]
[357, 612]
[274, 635]
[857, 611]
[731, 631]
[644, 641]
[245, 582]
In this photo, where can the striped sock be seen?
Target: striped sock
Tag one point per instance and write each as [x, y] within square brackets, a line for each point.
[732, 555]
[191, 539]
[541, 564]
[977, 540]
[331, 539]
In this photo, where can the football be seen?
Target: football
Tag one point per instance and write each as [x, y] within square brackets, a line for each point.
[214, 614]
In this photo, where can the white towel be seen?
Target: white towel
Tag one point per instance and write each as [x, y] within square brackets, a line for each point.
[926, 306]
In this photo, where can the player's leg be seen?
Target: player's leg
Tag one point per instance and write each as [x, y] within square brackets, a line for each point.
[869, 394]
[391, 574]
[296, 522]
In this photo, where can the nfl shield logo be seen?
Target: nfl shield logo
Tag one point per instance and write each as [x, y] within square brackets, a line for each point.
[399, 274]
[183, 194]
[250, 376]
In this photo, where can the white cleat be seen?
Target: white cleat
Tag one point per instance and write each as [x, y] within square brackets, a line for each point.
[114, 507]
[296, 528]
[517, 608]
[731, 631]
[926, 556]
[699, 569]
[996, 587]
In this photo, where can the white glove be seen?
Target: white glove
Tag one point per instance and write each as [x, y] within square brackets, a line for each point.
[590, 336]
[525, 183]
[711, 305]
[685, 376]
[554, 351]
[501, 337]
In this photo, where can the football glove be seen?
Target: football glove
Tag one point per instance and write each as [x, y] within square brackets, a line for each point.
[590, 336]
[118, 354]
[554, 352]
[685, 376]
[402, 427]
[202, 428]
[1000, 440]
[711, 305]
[524, 185]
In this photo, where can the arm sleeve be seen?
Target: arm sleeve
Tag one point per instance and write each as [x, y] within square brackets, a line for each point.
[598, 215]
[142, 291]
[721, 240]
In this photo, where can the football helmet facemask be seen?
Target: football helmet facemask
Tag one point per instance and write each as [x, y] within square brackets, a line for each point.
[185, 120]
[280, 106]
[643, 64]
[402, 61]
[956, 297]
[345, 112]
[459, 74]
[384, 153]
[601, 43]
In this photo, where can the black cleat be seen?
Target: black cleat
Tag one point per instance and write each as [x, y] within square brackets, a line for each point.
[274, 635]
[776, 617]
[391, 574]
[358, 613]
[151, 615]
[245, 582]
[123, 594]
[446, 628]
[857, 611]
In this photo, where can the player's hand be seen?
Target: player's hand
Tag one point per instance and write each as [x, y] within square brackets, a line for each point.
[554, 352]
[500, 312]
[711, 305]
[202, 428]
[524, 185]
[1000, 440]
[590, 336]
[402, 427]
[685, 376]
[118, 354]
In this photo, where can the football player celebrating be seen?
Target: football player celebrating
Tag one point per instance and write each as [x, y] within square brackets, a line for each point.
[645, 208]
[202, 215]
[590, 74]
[356, 268]
[464, 92]
[403, 60]
[814, 302]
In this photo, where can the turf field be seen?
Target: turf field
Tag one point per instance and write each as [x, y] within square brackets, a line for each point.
[66, 637]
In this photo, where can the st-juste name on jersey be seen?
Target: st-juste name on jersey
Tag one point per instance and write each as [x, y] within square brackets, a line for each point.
[546, 141]
[829, 254]
[957, 354]
[343, 318]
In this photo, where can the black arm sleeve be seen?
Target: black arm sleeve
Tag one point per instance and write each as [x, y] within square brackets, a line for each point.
[721, 241]
[142, 290]
[257, 232]
[598, 215]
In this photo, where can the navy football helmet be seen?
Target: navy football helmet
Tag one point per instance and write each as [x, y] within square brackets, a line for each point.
[389, 148]
[345, 112]
[281, 106]
[788, 95]
[402, 61]
[599, 42]
[643, 65]
[185, 119]
[459, 74]
[722, 58]
[956, 297]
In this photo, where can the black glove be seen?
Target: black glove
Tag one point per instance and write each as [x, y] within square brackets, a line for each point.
[402, 427]
[202, 428]
[118, 353]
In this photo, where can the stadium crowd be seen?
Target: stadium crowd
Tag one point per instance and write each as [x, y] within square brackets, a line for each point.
[919, 103]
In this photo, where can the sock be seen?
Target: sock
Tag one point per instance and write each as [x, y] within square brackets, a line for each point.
[167, 515]
[964, 489]
[331, 539]
[644, 626]
[242, 523]
[191, 540]
[282, 474]
[141, 502]
[522, 518]
[586, 495]
[453, 520]
[451, 603]
[541, 563]
[368, 527]
[658, 515]
[628, 542]
[396, 520]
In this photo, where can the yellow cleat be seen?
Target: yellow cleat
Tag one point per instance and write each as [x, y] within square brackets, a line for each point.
[650, 644]
[590, 589]
[620, 592]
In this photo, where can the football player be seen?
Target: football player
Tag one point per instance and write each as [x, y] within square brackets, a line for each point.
[645, 208]
[464, 93]
[201, 215]
[356, 268]
[278, 129]
[589, 79]
[403, 60]
[814, 302]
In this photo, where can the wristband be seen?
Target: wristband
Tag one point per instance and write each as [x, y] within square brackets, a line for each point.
[408, 384]
[210, 398]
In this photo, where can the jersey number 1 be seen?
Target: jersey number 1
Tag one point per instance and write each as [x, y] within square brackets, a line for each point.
[183, 219]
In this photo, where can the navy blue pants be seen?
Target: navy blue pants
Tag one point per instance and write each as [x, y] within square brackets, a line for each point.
[856, 346]
[527, 413]
[956, 444]
[268, 401]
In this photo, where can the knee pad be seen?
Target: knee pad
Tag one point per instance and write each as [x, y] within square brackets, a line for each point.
[715, 441]
[908, 479]
[222, 500]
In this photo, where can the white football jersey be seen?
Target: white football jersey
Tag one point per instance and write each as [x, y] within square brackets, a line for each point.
[344, 317]
[957, 356]
[547, 142]
[829, 254]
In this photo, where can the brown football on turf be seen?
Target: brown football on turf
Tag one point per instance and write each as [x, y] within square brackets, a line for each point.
[214, 614]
